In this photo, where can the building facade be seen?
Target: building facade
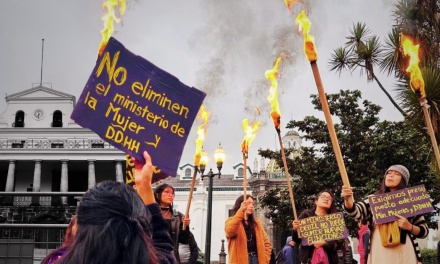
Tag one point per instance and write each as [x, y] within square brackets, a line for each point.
[43, 151]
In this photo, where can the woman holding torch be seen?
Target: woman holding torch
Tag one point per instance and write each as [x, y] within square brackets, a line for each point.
[393, 242]
[248, 243]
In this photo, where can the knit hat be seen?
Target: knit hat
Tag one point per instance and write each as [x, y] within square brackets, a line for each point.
[402, 170]
[289, 238]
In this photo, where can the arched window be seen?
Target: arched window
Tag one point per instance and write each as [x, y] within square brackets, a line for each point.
[57, 120]
[240, 173]
[19, 119]
[188, 173]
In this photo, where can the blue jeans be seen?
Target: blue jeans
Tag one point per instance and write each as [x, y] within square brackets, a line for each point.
[253, 258]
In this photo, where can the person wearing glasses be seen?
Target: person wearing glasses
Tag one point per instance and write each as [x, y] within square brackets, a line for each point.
[394, 242]
[164, 195]
[324, 205]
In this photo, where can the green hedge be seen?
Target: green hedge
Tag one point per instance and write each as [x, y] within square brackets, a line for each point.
[429, 256]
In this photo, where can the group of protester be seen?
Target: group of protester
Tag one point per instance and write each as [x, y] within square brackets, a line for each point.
[116, 223]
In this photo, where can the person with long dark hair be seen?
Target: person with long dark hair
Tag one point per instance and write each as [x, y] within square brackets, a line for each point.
[248, 242]
[324, 204]
[69, 237]
[116, 225]
[164, 195]
[400, 244]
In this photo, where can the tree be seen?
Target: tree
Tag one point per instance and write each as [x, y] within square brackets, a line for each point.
[369, 147]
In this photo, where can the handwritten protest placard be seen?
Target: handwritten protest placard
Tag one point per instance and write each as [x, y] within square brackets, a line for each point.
[136, 106]
[318, 228]
[406, 202]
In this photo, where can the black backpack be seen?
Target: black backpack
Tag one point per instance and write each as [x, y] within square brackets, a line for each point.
[279, 258]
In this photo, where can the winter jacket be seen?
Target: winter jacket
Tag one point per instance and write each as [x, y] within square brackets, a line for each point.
[237, 241]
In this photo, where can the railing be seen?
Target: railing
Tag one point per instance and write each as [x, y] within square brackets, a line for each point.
[30, 227]
[43, 143]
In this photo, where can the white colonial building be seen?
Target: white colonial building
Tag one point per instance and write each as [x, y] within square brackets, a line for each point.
[43, 150]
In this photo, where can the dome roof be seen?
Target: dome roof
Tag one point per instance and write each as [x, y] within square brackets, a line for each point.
[272, 166]
[291, 133]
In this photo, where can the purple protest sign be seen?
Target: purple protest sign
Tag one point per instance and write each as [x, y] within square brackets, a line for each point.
[322, 228]
[136, 106]
[406, 202]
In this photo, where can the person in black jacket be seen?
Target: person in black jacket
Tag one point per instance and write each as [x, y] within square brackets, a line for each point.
[164, 195]
[324, 205]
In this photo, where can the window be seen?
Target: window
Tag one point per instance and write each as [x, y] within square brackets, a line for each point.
[17, 145]
[188, 173]
[240, 173]
[57, 120]
[57, 145]
[19, 119]
[97, 145]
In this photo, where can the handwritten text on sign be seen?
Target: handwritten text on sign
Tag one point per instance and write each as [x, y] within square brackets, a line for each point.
[406, 202]
[319, 228]
[136, 106]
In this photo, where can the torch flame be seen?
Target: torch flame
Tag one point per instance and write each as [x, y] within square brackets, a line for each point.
[250, 133]
[416, 79]
[290, 3]
[304, 25]
[110, 16]
[201, 132]
[275, 112]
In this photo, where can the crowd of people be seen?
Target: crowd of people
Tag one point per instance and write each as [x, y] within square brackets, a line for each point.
[117, 223]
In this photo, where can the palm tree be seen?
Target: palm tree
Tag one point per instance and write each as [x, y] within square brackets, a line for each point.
[364, 52]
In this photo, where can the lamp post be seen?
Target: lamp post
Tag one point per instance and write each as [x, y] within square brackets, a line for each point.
[219, 156]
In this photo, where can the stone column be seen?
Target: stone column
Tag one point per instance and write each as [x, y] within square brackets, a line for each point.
[37, 176]
[11, 177]
[91, 175]
[64, 186]
[119, 175]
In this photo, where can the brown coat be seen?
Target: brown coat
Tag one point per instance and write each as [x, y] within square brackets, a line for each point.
[237, 242]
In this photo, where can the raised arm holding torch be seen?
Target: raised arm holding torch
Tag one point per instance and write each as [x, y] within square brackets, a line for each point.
[275, 113]
[304, 24]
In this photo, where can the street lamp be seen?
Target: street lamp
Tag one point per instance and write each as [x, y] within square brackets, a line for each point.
[219, 156]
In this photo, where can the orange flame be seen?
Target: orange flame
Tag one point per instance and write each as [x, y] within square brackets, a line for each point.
[416, 79]
[201, 132]
[109, 7]
[250, 133]
[304, 25]
[290, 3]
[275, 112]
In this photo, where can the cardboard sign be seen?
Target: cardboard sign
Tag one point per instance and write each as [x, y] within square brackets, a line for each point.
[406, 202]
[318, 228]
[136, 106]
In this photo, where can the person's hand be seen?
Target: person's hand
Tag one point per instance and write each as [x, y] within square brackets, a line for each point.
[318, 244]
[186, 220]
[295, 225]
[243, 206]
[346, 192]
[404, 223]
[143, 171]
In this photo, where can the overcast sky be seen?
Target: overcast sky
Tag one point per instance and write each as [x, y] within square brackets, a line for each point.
[221, 47]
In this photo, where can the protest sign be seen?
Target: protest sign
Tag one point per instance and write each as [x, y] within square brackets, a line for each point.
[136, 106]
[319, 228]
[406, 202]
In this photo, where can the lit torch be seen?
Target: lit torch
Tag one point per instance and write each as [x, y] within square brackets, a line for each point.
[275, 113]
[250, 133]
[418, 86]
[304, 24]
[201, 132]
[110, 16]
